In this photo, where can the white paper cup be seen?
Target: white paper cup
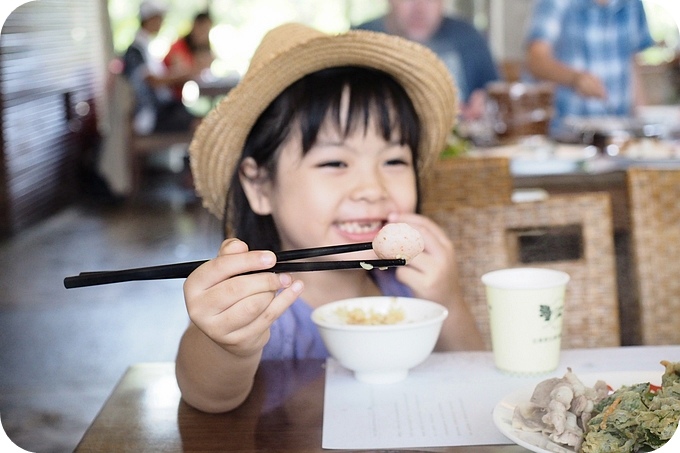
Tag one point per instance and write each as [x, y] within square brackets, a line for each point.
[525, 315]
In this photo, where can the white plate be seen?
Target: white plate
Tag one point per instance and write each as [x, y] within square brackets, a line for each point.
[537, 442]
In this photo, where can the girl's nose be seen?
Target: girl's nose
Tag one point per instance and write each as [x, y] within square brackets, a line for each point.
[369, 186]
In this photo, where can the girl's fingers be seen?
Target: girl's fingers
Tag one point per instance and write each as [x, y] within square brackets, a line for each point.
[251, 318]
[432, 268]
[235, 309]
[244, 327]
[425, 225]
[232, 246]
[233, 259]
[224, 294]
[437, 243]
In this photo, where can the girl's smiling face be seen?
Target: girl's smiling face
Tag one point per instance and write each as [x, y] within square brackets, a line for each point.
[341, 190]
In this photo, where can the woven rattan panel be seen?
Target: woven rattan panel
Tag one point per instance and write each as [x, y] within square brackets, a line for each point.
[467, 181]
[485, 240]
[655, 229]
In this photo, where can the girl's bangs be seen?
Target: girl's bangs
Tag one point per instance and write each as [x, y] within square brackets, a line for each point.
[371, 93]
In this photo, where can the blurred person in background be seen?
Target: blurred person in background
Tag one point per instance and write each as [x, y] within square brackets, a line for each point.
[191, 54]
[458, 43]
[588, 48]
[155, 108]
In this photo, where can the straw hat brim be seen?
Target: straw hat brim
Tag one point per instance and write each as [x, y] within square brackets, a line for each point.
[218, 142]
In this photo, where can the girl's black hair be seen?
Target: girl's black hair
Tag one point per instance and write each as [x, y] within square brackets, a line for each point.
[306, 104]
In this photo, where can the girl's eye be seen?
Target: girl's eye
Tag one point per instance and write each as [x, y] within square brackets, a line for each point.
[333, 164]
[398, 162]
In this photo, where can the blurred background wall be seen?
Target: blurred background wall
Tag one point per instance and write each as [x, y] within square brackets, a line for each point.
[52, 76]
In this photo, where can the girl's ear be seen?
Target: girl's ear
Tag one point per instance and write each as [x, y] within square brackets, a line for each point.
[256, 185]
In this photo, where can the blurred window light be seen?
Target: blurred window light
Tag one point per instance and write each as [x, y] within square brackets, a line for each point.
[190, 92]
[663, 17]
[159, 47]
[239, 24]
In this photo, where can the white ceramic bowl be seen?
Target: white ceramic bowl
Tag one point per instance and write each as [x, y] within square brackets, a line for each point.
[382, 353]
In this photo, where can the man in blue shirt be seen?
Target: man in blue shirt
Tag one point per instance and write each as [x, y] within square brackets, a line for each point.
[588, 48]
[463, 49]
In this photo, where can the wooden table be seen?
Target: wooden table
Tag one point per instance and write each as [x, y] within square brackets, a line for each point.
[145, 413]
[283, 413]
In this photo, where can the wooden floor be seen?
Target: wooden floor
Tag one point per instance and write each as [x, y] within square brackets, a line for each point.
[62, 351]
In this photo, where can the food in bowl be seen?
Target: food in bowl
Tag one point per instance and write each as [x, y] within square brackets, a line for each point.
[398, 241]
[360, 316]
[382, 352]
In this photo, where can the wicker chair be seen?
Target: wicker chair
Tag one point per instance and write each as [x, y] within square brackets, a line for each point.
[467, 181]
[654, 196]
[487, 239]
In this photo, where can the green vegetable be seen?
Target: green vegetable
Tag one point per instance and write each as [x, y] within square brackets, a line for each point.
[636, 418]
[456, 145]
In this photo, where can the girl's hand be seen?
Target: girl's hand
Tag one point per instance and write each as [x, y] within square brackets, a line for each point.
[432, 274]
[235, 311]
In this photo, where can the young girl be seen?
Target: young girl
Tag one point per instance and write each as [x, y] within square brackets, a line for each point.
[322, 142]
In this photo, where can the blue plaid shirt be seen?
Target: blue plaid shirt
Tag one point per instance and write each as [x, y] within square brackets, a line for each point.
[600, 39]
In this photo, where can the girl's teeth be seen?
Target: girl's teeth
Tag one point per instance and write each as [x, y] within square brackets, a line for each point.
[360, 228]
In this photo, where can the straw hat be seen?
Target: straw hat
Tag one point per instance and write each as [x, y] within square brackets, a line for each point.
[288, 53]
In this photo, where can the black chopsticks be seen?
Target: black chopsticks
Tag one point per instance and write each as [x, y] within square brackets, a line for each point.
[290, 255]
[182, 270]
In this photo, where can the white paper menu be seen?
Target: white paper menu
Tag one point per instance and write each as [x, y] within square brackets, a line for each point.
[449, 399]
[437, 405]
